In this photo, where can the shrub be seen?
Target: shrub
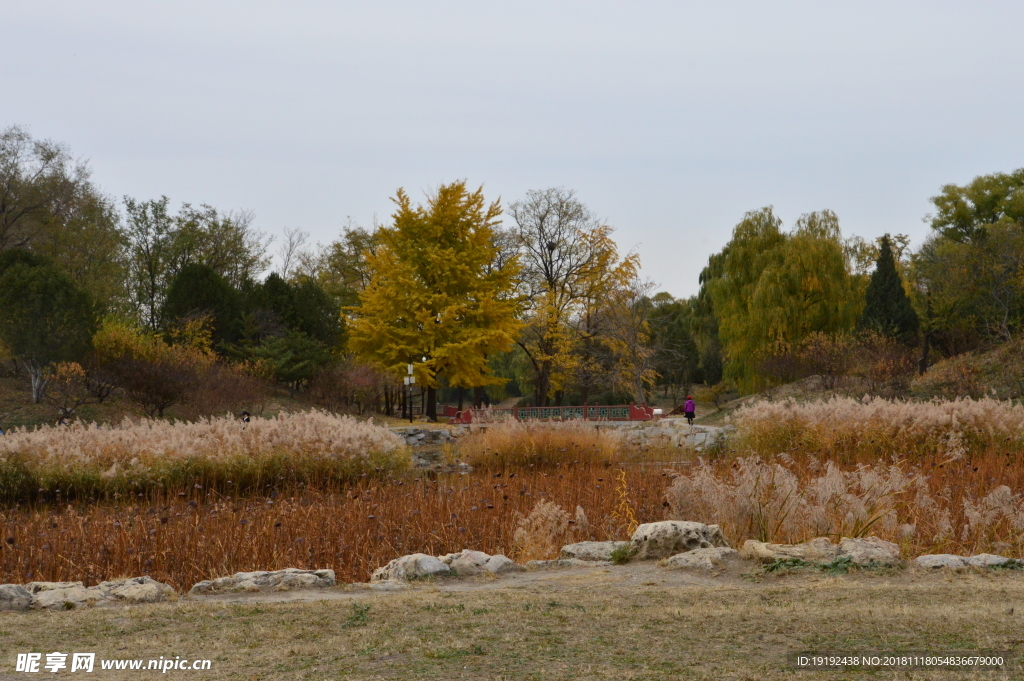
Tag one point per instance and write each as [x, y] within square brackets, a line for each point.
[543, 532]
[959, 376]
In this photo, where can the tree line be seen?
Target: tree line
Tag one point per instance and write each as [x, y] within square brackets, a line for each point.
[533, 300]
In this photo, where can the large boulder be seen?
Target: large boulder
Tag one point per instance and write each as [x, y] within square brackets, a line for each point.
[941, 560]
[413, 566]
[591, 550]
[62, 595]
[14, 597]
[701, 559]
[669, 537]
[137, 590]
[869, 550]
[287, 579]
[819, 550]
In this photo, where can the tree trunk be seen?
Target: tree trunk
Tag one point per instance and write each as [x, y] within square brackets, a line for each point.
[460, 397]
[478, 396]
[39, 381]
[432, 404]
[922, 364]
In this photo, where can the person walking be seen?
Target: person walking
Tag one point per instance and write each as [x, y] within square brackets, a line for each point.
[688, 410]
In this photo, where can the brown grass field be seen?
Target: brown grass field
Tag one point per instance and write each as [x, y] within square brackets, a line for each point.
[628, 622]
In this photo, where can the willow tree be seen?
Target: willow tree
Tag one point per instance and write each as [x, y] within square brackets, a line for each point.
[777, 287]
[440, 295]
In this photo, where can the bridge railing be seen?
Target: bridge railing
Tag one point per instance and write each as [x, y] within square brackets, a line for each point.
[619, 412]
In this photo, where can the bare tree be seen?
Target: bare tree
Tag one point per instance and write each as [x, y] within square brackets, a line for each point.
[292, 249]
[569, 261]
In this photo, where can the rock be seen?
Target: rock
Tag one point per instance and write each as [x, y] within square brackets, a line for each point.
[469, 563]
[279, 580]
[869, 550]
[591, 550]
[565, 563]
[137, 590]
[669, 537]
[449, 557]
[701, 559]
[14, 597]
[413, 566]
[818, 550]
[941, 560]
[500, 564]
[62, 595]
[986, 560]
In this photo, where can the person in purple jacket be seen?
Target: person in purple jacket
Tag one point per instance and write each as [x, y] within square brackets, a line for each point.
[688, 410]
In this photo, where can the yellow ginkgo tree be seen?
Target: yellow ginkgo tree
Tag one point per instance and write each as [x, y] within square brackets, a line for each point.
[441, 295]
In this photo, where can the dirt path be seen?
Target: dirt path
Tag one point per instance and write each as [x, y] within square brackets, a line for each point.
[619, 622]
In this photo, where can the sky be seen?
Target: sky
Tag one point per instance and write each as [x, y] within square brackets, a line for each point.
[669, 120]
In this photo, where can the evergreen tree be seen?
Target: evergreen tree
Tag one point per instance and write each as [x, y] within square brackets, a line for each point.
[44, 316]
[888, 310]
[198, 290]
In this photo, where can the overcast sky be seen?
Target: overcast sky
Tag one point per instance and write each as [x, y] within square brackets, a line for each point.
[669, 119]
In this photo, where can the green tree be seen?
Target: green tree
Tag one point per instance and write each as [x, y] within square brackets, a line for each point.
[436, 293]
[677, 357]
[887, 308]
[965, 213]
[293, 358]
[774, 286]
[161, 244]
[198, 291]
[49, 205]
[44, 317]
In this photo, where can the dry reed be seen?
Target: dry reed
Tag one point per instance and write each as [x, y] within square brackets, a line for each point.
[848, 430]
[135, 457]
[188, 536]
[514, 444]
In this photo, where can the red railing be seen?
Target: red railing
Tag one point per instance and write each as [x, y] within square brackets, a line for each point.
[619, 412]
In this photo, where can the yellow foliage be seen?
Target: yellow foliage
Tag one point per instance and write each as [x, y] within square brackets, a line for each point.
[437, 290]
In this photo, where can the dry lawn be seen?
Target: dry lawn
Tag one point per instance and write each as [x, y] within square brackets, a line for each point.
[630, 622]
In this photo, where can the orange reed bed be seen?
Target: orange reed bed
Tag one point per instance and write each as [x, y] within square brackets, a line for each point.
[192, 535]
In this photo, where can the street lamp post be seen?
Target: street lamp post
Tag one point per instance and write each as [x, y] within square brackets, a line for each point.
[409, 380]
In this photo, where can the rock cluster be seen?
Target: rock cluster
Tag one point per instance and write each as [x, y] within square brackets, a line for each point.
[676, 433]
[863, 551]
[279, 580]
[461, 564]
[70, 595]
[429, 437]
